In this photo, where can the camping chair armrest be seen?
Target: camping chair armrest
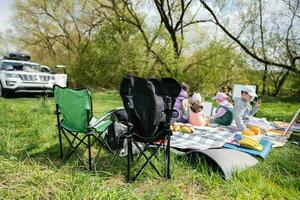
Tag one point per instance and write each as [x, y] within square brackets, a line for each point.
[98, 121]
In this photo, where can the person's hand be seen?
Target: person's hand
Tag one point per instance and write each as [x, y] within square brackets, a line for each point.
[258, 104]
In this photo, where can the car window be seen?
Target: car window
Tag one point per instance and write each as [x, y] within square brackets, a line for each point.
[12, 66]
[44, 69]
[33, 67]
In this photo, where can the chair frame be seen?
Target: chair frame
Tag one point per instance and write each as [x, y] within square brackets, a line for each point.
[164, 136]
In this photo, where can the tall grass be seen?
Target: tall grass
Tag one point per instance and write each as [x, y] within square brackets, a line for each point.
[30, 166]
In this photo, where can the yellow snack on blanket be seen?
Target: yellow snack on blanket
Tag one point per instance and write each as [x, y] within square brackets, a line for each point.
[186, 129]
[247, 132]
[255, 130]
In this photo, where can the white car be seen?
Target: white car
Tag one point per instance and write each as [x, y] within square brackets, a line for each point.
[18, 76]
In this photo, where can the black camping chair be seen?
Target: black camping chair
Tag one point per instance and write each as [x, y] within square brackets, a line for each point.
[149, 104]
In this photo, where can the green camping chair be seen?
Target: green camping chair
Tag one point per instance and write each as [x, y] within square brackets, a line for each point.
[74, 114]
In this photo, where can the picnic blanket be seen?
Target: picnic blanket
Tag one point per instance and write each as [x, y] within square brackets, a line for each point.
[202, 138]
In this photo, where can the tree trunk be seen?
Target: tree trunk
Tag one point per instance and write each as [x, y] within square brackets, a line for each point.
[175, 45]
[263, 47]
[280, 83]
[264, 79]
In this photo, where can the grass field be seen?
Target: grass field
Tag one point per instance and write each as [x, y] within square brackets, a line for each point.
[30, 167]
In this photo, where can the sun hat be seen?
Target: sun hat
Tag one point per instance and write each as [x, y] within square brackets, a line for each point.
[196, 98]
[220, 96]
[249, 90]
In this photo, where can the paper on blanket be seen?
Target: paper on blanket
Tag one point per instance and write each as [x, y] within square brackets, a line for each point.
[261, 123]
[207, 109]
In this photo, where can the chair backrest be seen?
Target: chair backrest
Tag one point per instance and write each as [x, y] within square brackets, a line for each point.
[145, 100]
[75, 106]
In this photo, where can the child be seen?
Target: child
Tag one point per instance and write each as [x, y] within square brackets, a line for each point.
[242, 108]
[224, 113]
[179, 114]
[196, 116]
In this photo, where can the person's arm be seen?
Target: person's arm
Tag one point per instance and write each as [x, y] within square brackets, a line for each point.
[202, 120]
[240, 109]
[255, 108]
[253, 111]
[185, 107]
[220, 112]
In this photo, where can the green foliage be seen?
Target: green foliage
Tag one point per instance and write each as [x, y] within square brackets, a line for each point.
[100, 41]
[30, 165]
[107, 58]
[292, 85]
[214, 67]
[117, 50]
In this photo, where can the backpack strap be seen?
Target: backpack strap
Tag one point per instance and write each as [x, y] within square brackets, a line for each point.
[226, 108]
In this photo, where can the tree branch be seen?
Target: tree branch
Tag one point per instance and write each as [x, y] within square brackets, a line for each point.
[253, 55]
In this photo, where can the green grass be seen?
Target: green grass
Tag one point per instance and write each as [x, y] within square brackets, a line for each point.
[30, 166]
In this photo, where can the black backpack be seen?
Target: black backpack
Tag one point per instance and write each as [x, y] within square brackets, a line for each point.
[116, 129]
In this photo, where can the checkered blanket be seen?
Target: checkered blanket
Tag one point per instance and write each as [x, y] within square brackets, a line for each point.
[202, 138]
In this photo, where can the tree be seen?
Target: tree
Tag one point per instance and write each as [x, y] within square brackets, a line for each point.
[287, 36]
[215, 66]
[261, 28]
[126, 11]
[2, 44]
[63, 28]
[172, 15]
[110, 55]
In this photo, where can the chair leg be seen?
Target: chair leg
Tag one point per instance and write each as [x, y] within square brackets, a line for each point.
[165, 159]
[60, 144]
[168, 176]
[71, 149]
[148, 160]
[129, 158]
[90, 156]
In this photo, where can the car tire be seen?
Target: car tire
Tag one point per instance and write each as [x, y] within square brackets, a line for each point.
[2, 92]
